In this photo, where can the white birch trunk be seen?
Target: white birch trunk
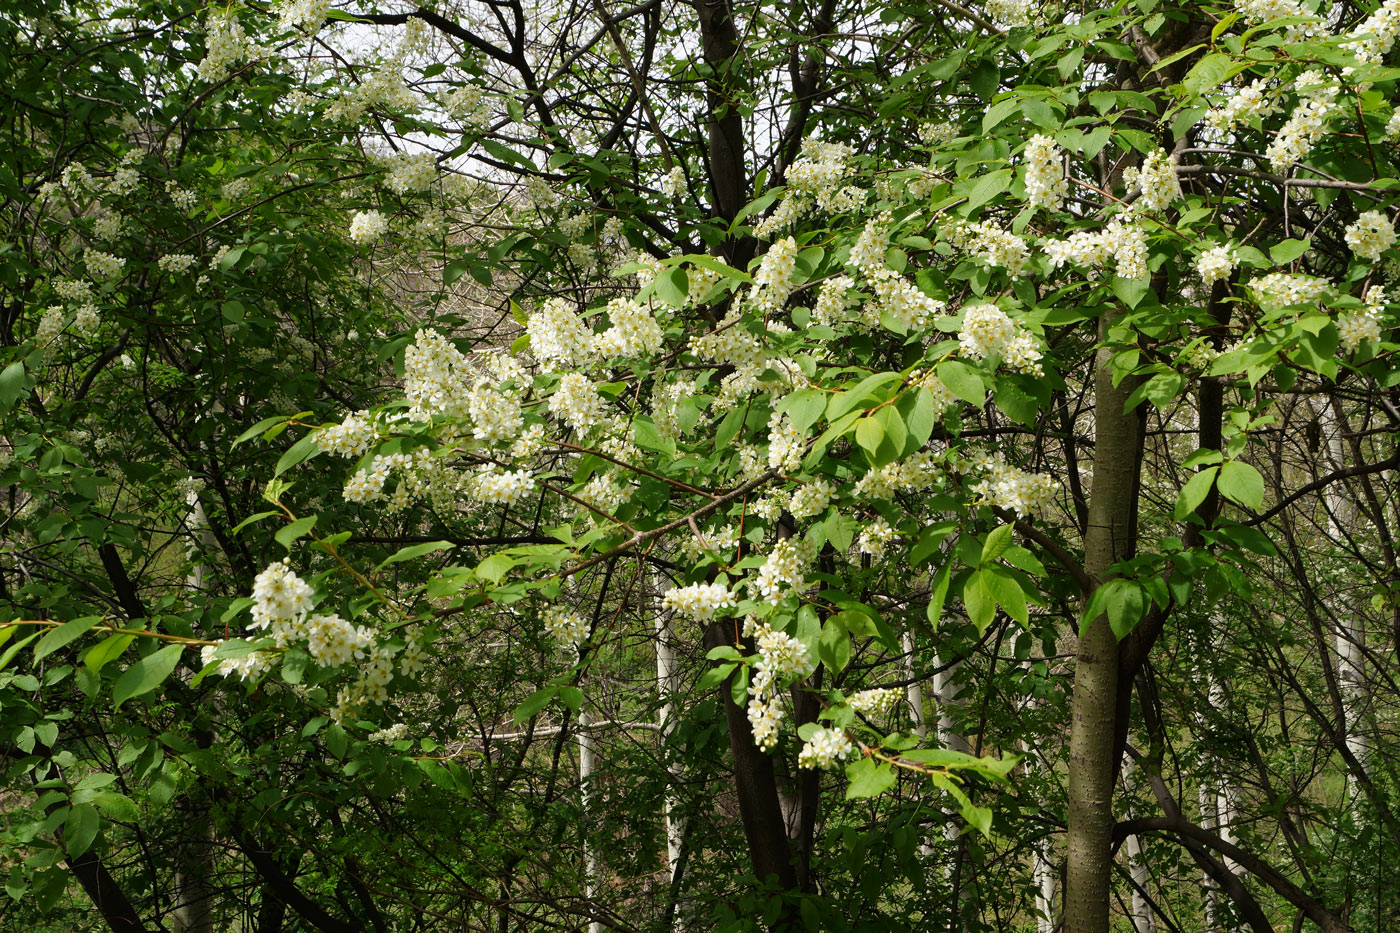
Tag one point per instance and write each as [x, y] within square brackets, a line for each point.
[666, 689]
[585, 781]
[1141, 917]
[1349, 636]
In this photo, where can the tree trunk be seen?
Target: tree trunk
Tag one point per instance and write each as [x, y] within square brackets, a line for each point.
[1109, 538]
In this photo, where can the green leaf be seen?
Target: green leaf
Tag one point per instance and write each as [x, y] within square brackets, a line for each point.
[1208, 73]
[15, 649]
[864, 392]
[116, 806]
[414, 550]
[804, 407]
[65, 633]
[146, 674]
[572, 697]
[671, 287]
[869, 435]
[80, 828]
[998, 540]
[536, 702]
[303, 450]
[868, 778]
[1239, 482]
[714, 677]
[834, 646]
[252, 519]
[981, 606]
[916, 408]
[1194, 492]
[963, 382]
[939, 595]
[11, 385]
[1288, 250]
[1124, 602]
[105, 651]
[1006, 590]
[291, 532]
[337, 742]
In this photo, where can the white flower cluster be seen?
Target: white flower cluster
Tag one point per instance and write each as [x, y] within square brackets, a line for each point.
[567, 628]
[175, 263]
[351, 438]
[372, 686]
[772, 283]
[1004, 486]
[832, 300]
[281, 601]
[333, 642]
[991, 244]
[183, 198]
[1284, 289]
[1373, 39]
[1247, 103]
[108, 226]
[783, 572]
[410, 171]
[225, 44]
[721, 540]
[51, 327]
[1371, 235]
[367, 226]
[411, 658]
[467, 103]
[933, 134]
[250, 666]
[1045, 173]
[307, 15]
[1259, 12]
[85, 319]
[780, 658]
[903, 302]
[1158, 181]
[810, 500]
[634, 332]
[916, 472]
[435, 376]
[874, 702]
[1009, 13]
[558, 337]
[102, 265]
[987, 331]
[390, 735]
[496, 416]
[868, 252]
[493, 486]
[825, 749]
[1124, 242]
[876, 537]
[1215, 264]
[1392, 127]
[673, 184]
[699, 601]
[576, 402]
[1364, 324]
[605, 492]
[820, 170]
[1308, 122]
[538, 190]
[785, 444]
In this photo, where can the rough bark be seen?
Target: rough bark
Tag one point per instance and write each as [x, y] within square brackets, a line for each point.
[1109, 537]
[755, 786]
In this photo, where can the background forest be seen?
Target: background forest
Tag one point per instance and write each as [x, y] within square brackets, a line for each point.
[697, 466]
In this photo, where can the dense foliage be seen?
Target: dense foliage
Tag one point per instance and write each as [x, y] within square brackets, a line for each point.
[717, 466]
